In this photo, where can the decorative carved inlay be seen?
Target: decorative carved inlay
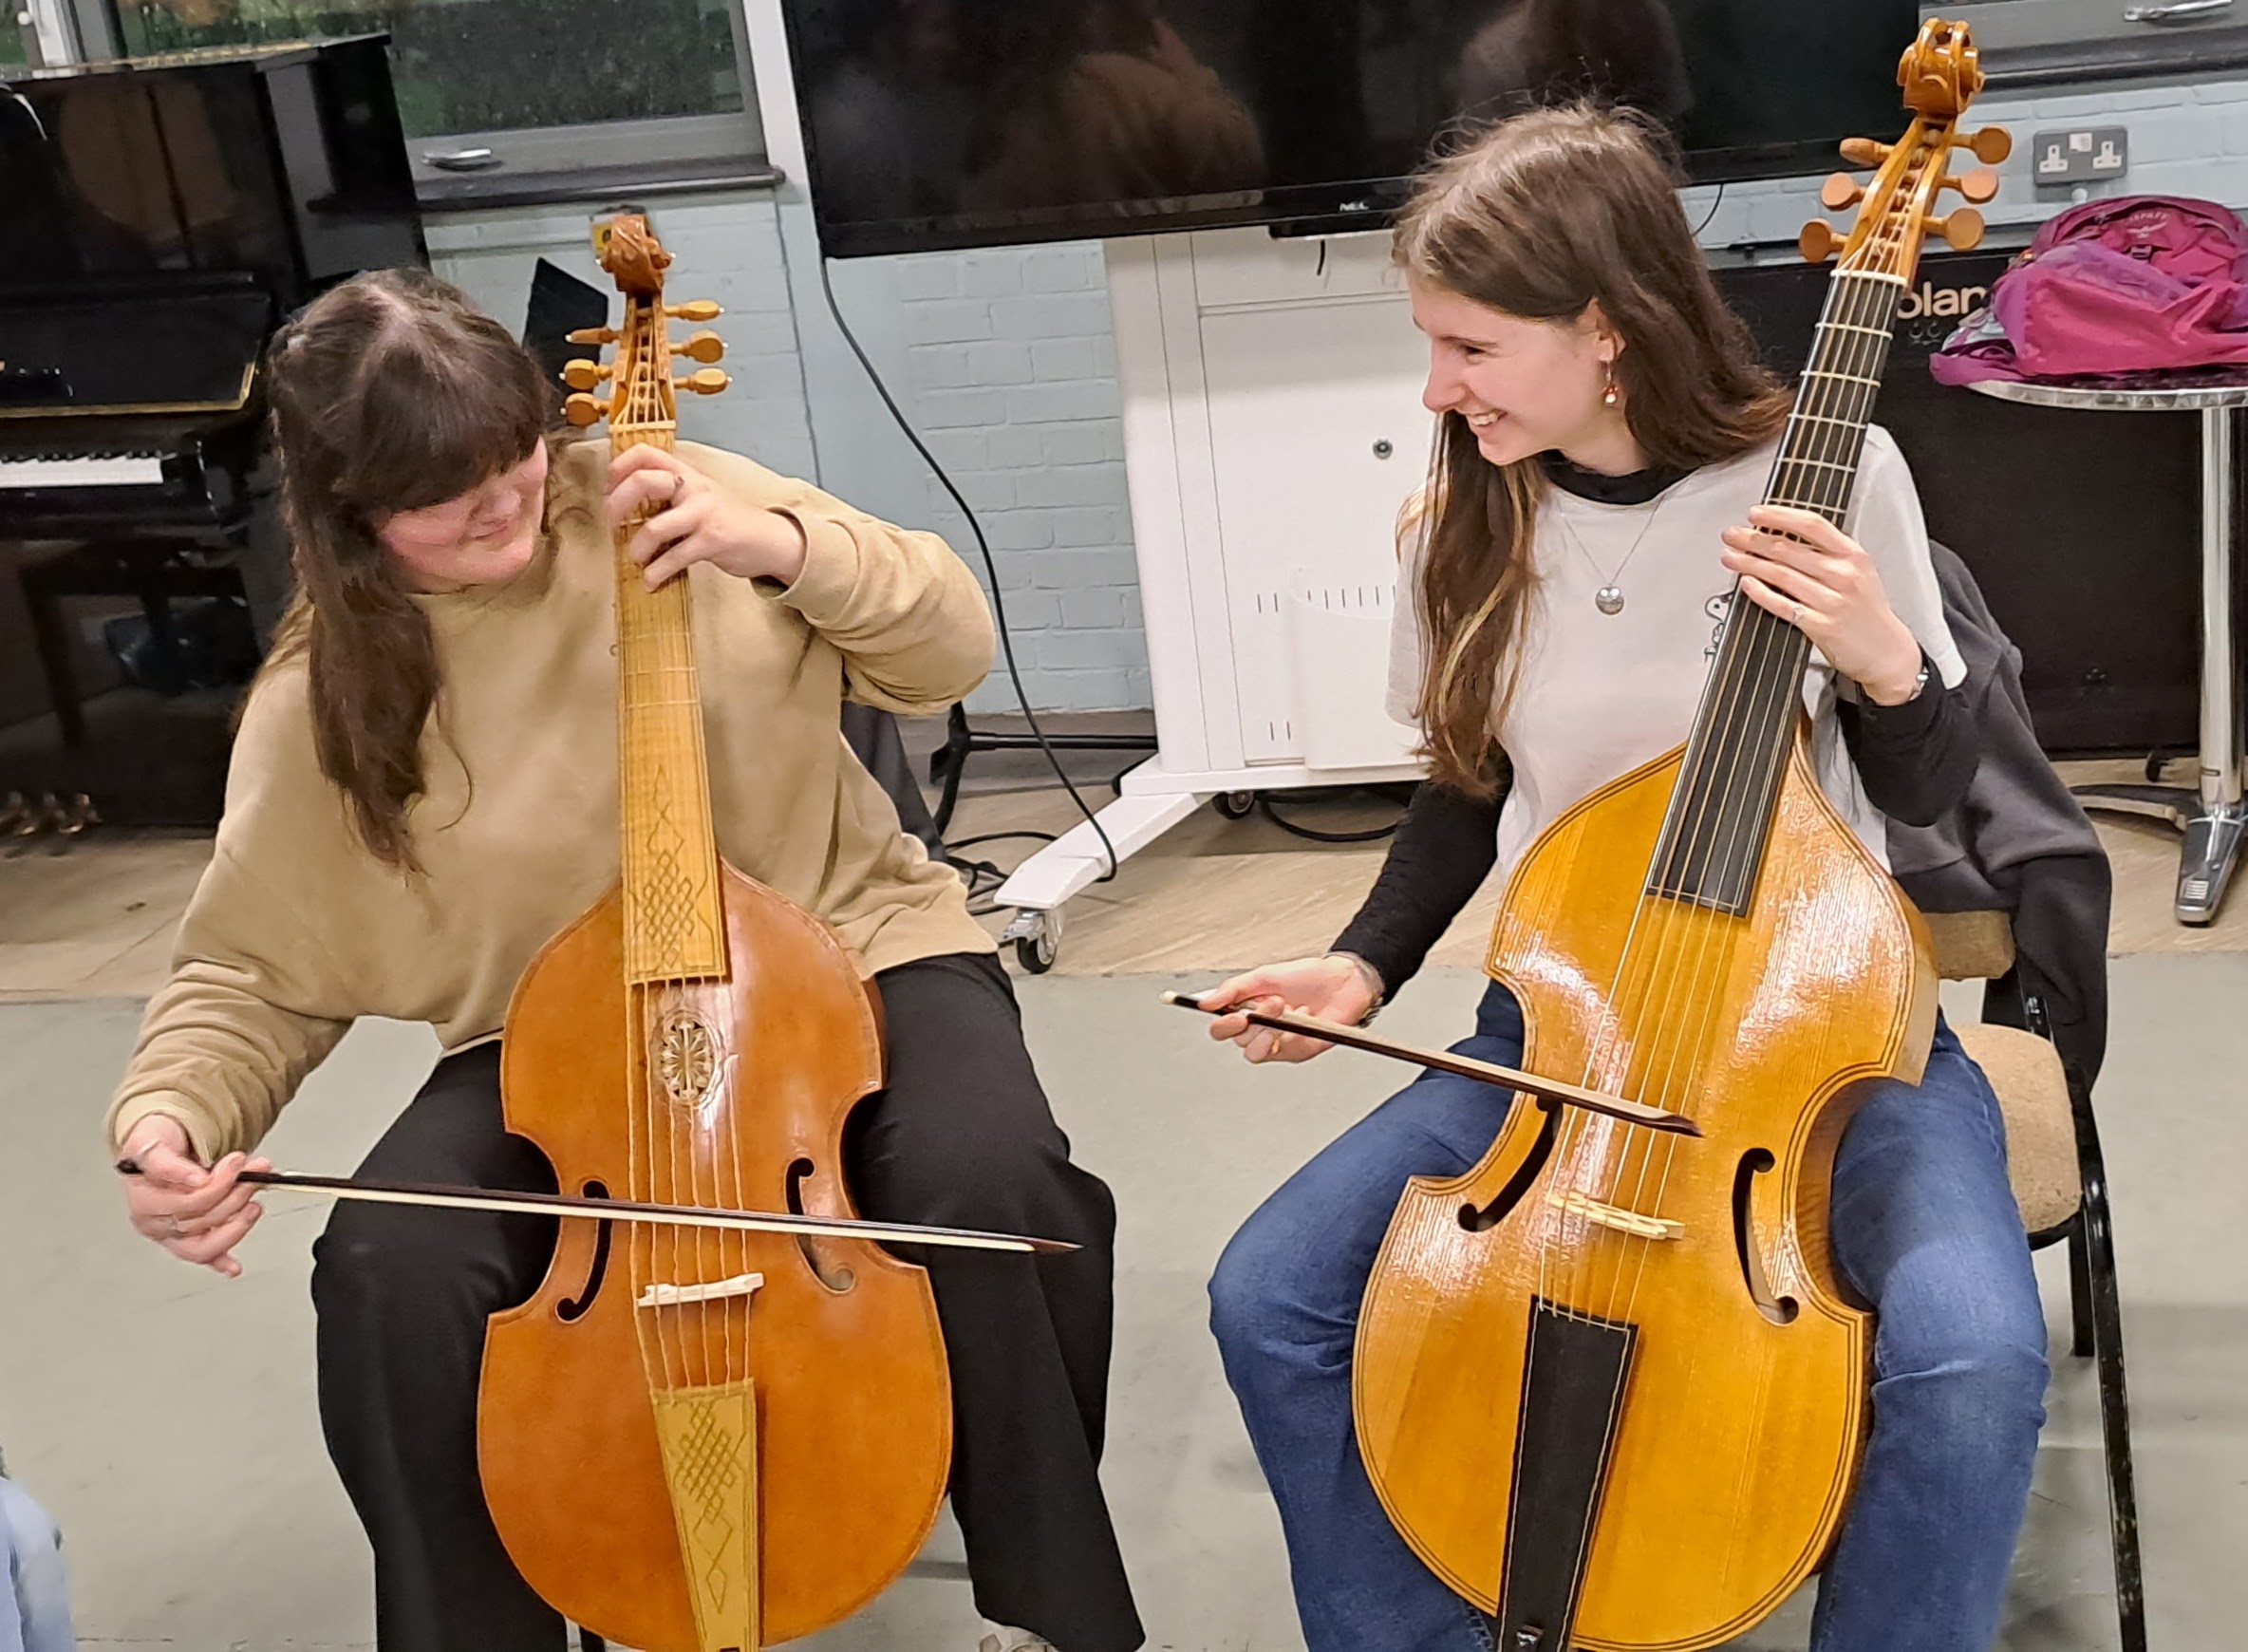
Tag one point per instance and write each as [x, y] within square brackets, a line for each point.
[687, 1058]
[708, 1436]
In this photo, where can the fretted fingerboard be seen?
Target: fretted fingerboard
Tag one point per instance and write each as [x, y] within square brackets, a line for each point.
[674, 923]
[1714, 838]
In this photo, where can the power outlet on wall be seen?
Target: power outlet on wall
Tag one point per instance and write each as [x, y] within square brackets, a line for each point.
[2080, 155]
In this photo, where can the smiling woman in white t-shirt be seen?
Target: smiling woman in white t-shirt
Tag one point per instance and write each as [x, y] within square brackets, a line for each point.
[1605, 435]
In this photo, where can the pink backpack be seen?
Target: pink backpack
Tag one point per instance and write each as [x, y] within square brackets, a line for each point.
[2137, 284]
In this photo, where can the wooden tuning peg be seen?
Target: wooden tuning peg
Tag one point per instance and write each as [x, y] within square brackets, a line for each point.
[594, 336]
[581, 410]
[694, 310]
[1991, 145]
[584, 375]
[1962, 228]
[1864, 151]
[704, 345]
[703, 382]
[1840, 189]
[1978, 187]
[1818, 242]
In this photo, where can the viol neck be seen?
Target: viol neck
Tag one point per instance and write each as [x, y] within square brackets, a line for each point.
[674, 923]
[1720, 816]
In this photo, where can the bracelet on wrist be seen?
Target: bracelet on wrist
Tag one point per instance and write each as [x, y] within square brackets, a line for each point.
[1920, 687]
[1373, 983]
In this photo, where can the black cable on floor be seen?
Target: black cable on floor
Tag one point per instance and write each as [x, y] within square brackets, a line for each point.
[1000, 838]
[1373, 834]
[999, 607]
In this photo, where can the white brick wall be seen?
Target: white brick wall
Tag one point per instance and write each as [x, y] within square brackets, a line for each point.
[1011, 378]
[1010, 364]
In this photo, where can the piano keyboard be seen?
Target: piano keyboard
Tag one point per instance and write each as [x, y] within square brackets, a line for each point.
[91, 470]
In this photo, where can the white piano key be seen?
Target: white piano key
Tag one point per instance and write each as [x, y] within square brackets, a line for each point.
[108, 471]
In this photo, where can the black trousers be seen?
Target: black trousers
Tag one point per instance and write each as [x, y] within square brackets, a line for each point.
[961, 1137]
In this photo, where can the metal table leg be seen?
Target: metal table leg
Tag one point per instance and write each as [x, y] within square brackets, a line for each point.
[2210, 815]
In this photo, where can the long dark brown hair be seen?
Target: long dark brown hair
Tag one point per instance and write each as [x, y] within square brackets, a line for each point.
[390, 392]
[1544, 215]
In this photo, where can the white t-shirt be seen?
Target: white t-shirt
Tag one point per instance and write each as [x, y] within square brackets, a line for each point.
[1599, 694]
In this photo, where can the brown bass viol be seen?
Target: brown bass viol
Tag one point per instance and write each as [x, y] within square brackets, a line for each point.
[695, 1440]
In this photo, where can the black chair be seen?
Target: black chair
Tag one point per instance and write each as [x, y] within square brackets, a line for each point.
[873, 738]
[2017, 889]
[2060, 1179]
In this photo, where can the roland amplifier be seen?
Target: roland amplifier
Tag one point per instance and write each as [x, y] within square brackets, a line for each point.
[2082, 528]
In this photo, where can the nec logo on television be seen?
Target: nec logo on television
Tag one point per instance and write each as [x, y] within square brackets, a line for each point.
[1930, 299]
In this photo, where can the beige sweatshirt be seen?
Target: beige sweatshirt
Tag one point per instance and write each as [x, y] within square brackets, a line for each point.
[295, 929]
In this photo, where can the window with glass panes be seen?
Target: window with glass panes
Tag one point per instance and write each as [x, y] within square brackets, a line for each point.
[543, 71]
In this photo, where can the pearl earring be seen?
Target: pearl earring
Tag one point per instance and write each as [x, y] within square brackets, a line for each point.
[1608, 396]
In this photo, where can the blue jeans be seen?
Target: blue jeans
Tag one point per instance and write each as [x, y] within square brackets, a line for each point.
[1924, 1227]
[35, 1613]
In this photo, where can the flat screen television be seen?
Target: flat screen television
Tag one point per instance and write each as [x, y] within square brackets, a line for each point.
[954, 124]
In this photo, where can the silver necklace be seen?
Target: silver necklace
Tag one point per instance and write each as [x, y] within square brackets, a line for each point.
[1609, 597]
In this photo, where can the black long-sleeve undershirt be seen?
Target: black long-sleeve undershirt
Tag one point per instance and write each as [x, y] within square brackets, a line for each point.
[1444, 848]
[1916, 760]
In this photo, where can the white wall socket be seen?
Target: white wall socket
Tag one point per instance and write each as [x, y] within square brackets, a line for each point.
[2080, 154]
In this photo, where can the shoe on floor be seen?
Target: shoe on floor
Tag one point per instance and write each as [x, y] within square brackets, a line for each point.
[999, 1637]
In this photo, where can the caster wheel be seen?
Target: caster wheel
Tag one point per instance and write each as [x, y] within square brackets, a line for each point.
[1037, 939]
[1235, 805]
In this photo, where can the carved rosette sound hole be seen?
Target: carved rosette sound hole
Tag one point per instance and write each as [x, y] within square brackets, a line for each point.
[687, 1058]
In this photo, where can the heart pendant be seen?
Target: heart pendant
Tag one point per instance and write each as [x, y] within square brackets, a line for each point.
[1608, 599]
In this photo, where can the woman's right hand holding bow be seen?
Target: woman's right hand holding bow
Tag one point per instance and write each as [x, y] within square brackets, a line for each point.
[198, 1213]
[1336, 987]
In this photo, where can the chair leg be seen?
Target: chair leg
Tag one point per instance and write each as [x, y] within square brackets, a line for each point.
[2080, 1291]
[949, 764]
[2115, 1411]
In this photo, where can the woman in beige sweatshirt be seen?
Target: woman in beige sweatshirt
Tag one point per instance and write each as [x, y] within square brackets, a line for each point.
[425, 791]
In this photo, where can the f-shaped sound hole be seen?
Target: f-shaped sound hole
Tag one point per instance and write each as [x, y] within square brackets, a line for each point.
[831, 1273]
[1483, 1219]
[575, 1308]
[1780, 1310]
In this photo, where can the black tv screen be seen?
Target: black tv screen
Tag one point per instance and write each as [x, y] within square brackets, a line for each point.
[951, 123]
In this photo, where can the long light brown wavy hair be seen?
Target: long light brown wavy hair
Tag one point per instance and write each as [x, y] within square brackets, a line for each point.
[390, 392]
[1545, 214]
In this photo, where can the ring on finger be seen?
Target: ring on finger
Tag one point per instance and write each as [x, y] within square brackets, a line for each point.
[172, 1227]
[1795, 619]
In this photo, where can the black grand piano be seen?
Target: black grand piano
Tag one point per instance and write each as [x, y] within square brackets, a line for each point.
[158, 217]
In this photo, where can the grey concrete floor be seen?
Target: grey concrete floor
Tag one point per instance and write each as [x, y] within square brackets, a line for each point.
[167, 1417]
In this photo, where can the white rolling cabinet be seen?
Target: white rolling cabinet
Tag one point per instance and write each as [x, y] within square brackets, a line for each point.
[1272, 430]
